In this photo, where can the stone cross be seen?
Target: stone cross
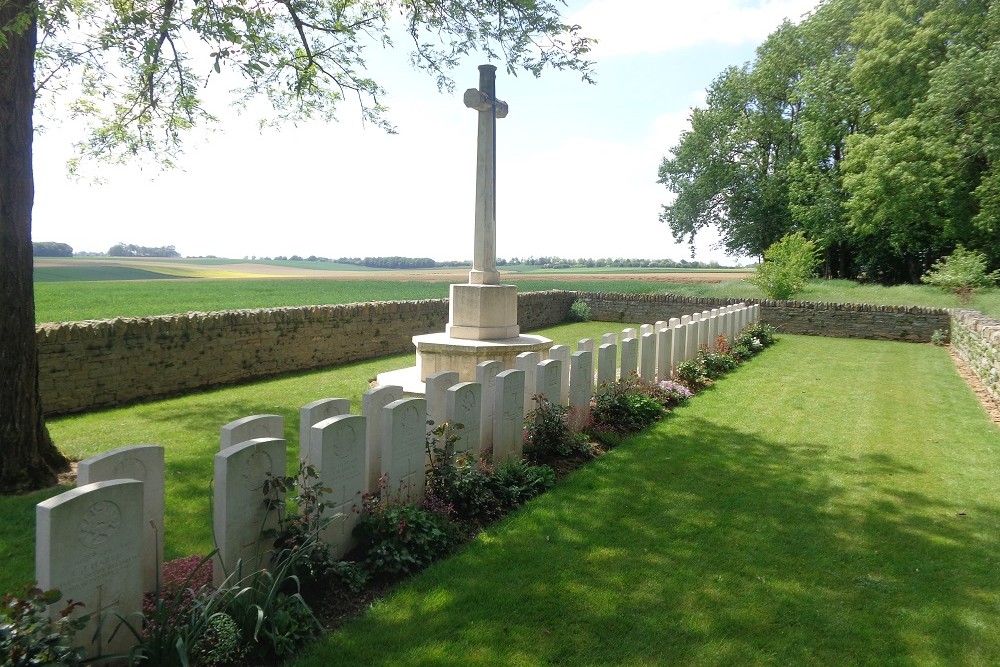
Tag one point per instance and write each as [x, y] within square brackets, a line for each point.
[484, 262]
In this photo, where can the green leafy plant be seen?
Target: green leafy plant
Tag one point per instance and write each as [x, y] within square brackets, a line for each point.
[580, 311]
[939, 337]
[464, 486]
[516, 481]
[625, 406]
[547, 432]
[692, 374]
[29, 637]
[787, 267]
[962, 273]
[756, 337]
[715, 364]
[399, 537]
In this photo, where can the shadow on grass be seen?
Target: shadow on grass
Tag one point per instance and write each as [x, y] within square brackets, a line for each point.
[694, 543]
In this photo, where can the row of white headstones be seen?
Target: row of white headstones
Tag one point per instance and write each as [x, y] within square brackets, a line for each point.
[101, 543]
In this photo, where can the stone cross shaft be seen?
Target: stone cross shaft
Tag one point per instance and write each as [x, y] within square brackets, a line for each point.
[484, 263]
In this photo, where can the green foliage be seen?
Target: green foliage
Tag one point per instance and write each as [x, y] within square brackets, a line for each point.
[547, 432]
[222, 643]
[692, 374]
[516, 481]
[51, 249]
[623, 407]
[787, 267]
[29, 637]
[939, 337]
[756, 337]
[399, 537]
[870, 127]
[580, 311]
[300, 523]
[962, 273]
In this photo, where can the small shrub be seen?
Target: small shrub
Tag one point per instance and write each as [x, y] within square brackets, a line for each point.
[673, 394]
[715, 364]
[222, 643]
[962, 273]
[516, 481]
[623, 407]
[580, 311]
[939, 337]
[756, 337]
[463, 487]
[787, 267]
[692, 374]
[29, 637]
[399, 537]
[548, 434]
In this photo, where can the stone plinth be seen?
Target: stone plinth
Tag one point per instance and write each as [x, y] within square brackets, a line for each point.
[439, 352]
[482, 312]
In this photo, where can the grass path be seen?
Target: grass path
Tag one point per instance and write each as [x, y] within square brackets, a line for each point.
[834, 502]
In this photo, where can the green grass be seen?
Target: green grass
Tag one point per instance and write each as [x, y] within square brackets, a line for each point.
[188, 427]
[68, 301]
[77, 300]
[834, 502]
[51, 274]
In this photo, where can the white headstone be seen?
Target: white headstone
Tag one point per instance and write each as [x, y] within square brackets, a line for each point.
[691, 341]
[659, 325]
[436, 387]
[664, 350]
[647, 356]
[581, 388]
[609, 339]
[508, 416]
[241, 512]
[372, 402]
[713, 331]
[144, 463]
[585, 345]
[486, 376]
[248, 428]
[685, 319]
[404, 457]
[678, 351]
[645, 329]
[607, 358]
[674, 322]
[526, 361]
[548, 379]
[88, 544]
[630, 357]
[464, 402]
[313, 413]
[561, 353]
[628, 333]
[337, 449]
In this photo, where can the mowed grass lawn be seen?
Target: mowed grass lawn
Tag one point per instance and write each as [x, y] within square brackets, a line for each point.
[833, 502]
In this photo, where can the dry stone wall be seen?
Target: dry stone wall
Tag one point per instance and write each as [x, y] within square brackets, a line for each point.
[99, 364]
[104, 363]
[837, 320]
[976, 338]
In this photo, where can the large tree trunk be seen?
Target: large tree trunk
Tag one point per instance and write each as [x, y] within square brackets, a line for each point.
[28, 459]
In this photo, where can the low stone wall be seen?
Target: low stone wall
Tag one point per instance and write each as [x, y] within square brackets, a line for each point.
[976, 338]
[837, 320]
[99, 364]
[104, 363]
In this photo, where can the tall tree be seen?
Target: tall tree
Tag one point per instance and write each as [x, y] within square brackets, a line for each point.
[128, 72]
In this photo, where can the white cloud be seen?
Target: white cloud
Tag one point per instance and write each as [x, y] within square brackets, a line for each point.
[630, 27]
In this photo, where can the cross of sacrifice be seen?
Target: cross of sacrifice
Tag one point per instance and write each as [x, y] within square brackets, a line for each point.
[484, 100]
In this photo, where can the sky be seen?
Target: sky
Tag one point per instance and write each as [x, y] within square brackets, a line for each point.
[576, 163]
